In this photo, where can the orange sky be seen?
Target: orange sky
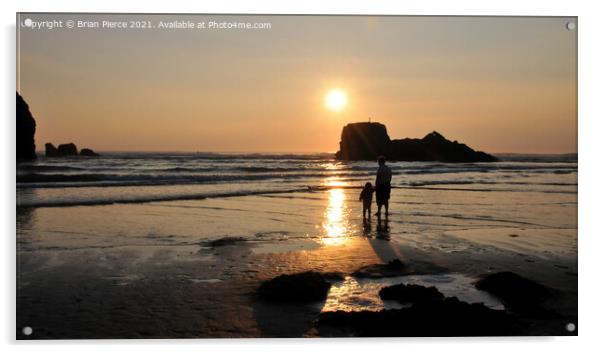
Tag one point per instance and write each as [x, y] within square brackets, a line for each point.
[498, 84]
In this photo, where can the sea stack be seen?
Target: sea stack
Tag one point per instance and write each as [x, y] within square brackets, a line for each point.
[363, 141]
[367, 141]
[64, 150]
[68, 150]
[88, 153]
[26, 129]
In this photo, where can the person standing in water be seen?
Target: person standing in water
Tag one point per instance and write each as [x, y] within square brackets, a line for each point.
[366, 198]
[383, 186]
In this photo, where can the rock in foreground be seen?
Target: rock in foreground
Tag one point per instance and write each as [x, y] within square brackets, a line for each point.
[300, 287]
[410, 293]
[448, 317]
[517, 292]
[367, 141]
[390, 269]
[26, 129]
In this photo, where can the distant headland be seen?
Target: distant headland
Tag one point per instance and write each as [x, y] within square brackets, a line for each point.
[367, 141]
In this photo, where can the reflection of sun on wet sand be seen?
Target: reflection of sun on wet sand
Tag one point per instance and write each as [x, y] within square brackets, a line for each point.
[336, 222]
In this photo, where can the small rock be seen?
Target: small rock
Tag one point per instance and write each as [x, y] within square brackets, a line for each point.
[410, 293]
[390, 269]
[225, 241]
[88, 153]
[514, 290]
[333, 276]
[300, 287]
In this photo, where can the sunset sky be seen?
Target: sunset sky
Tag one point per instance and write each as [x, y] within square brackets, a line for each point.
[497, 84]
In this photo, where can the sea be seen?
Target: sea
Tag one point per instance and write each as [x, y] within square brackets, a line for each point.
[129, 177]
[171, 244]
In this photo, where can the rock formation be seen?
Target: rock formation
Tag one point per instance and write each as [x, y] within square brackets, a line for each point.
[68, 149]
[26, 129]
[446, 317]
[367, 141]
[363, 141]
[515, 291]
[51, 151]
[299, 287]
[64, 150]
[410, 293]
[88, 153]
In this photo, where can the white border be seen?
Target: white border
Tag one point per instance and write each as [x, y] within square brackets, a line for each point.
[590, 246]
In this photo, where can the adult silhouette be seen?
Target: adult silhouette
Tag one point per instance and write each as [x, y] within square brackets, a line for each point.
[383, 186]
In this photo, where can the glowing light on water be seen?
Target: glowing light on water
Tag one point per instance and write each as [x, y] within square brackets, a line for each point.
[335, 224]
[355, 294]
[335, 182]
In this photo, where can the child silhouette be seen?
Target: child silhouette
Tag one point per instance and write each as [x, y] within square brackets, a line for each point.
[366, 198]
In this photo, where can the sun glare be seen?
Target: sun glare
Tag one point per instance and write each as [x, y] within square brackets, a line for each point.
[335, 223]
[336, 100]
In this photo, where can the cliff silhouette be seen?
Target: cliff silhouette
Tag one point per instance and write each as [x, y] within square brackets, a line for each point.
[367, 141]
[26, 129]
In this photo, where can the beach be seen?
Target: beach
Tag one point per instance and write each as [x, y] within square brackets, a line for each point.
[125, 246]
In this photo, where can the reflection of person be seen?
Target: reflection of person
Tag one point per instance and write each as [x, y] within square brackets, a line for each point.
[383, 186]
[366, 198]
[383, 231]
[367, 228]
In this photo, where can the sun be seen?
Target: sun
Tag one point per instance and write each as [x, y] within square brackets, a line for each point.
[336, 100]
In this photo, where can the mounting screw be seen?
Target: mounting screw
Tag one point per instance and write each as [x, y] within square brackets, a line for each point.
[571, 25]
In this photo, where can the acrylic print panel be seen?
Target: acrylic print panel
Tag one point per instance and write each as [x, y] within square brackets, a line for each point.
[214, 176]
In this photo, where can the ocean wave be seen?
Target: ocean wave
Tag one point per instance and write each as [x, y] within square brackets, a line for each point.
[78, 180]
[410, 168]
[476, 189]
[25, 202]
[486, 182]
[152, 198]
[47, 168]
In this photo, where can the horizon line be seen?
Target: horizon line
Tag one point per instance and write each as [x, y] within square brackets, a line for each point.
[42, 152]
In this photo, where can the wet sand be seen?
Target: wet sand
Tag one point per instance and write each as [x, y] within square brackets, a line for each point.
[150, 271]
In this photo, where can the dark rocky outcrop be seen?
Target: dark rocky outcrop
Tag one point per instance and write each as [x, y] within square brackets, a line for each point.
[26, 129]
[517, 292]
[51, 151]
[363, 141]
[64, 150]
[88, 153]
[367, 141]
[447, 317]
[67, 150]
[392, 268]
[410, 293]
[225, 241]
[299, 287]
